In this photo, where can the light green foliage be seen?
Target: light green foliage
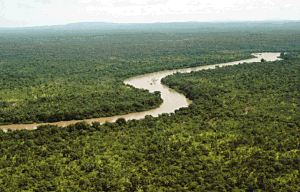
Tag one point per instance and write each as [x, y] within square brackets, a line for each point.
[241, 133]
[210, 146]
[54, 78]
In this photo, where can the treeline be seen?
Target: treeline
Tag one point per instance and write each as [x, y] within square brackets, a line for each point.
[46, 79]
[242, 132]
[54, 77]
[53, 104]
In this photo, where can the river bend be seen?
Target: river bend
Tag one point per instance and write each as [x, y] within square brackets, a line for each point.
[152, 81]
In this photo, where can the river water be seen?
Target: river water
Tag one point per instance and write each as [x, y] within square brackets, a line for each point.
[171, 99]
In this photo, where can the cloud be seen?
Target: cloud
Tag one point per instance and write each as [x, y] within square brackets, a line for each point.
[138, 2]
[42, 1]
[85, 1]
[288, 5]
[51, 12]
[122, 3]
[24, 6]
[268, 2]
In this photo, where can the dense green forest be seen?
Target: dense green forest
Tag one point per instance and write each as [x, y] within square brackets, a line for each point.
[45, 80]
[240, 134]
[52, 77]
[48, 79]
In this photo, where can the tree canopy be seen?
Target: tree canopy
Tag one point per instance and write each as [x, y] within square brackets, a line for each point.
[241, 133]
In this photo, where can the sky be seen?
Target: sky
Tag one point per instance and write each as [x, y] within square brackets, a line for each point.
[27, 13]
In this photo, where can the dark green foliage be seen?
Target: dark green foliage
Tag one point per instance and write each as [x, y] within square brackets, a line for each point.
[237, 135]
[55, 78]
[121, 121]
[52, 77]
[241, 133]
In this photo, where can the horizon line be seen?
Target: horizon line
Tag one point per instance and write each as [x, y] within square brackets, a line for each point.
[158, 22]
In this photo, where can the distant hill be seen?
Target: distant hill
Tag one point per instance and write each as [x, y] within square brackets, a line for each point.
[151, 27]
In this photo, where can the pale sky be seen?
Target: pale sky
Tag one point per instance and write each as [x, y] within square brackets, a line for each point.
[25, 13]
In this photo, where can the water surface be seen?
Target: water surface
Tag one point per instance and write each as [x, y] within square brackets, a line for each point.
[151, 81]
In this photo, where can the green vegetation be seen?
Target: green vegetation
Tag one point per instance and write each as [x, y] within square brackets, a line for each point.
[48, 79]
[52, 77]
[241, 133]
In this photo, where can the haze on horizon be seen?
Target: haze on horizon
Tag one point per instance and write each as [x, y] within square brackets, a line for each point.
[17, 13]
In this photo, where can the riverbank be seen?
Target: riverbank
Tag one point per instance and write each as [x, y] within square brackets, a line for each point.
[171, 99]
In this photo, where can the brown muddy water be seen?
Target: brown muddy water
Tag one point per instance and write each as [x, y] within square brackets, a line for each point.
[171, 99]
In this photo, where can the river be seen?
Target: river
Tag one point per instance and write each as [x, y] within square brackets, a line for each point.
[171, 99]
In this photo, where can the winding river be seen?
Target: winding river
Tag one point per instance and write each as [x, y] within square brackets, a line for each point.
[171, 99]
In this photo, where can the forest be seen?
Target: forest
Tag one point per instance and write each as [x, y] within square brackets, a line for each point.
[49, 79]
[53, 77]
[241, 133]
